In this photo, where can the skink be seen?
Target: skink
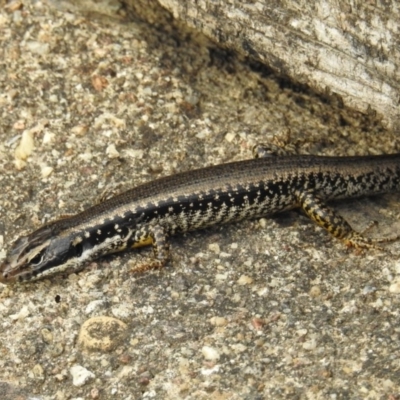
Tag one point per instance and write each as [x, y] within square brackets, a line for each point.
[219, 194]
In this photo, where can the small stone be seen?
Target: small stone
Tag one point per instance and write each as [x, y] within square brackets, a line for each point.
[397, 267]
[102, 333]
[48, 137]
[263, 222]
[93, 305]
[13, 5]
[21, 315]
[395, 286]
[19, 125]
[210, 353]
[274, 282]
[38, 47]
[249, 262]
[315, 291]
[258, 323]
[245, 280]
[112, 152]
[99, 82]
[19, 164]
[56, 350]
[46, 171]
[221, 277]
[387, 384]
[310, 345]
[79, 130]
[239, 347]
[38, 371]
[80, 375]
[123, 310]
[210, 369]
[214, 247]
[134, 153]
[175, 295]
[118, 122]
[263, 291]
[47, 335]
[26, 145]
[368, 290]
[95, 393]
[60, 377]
[229, 137]
[218, 321]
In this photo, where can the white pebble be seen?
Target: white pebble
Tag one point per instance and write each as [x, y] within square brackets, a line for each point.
[48, 137]
[239, 347]
[134, 153]
[221, 277]
[395, 286]
[210, 353]
[93, 305]
[112, 152]
[245, 280]
[209, 371]
[46, 171]
[214, 247]
[310, 345]
[230, 137]
[79, 130]
[22, 314]
[25, 147]
[80, 375]
[218, 321]
[263, 222]
[38, 47]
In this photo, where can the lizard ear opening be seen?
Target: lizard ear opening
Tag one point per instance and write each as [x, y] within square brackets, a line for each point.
[78, 248]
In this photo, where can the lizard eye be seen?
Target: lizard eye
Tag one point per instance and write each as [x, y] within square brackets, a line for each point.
[38, 258]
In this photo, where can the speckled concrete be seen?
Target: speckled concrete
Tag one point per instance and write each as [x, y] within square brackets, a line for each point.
[262, 309]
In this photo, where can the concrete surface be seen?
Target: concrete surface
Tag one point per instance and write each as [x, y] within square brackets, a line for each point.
[262, 309]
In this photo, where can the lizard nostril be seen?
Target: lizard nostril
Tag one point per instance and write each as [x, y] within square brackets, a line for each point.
[3, 277]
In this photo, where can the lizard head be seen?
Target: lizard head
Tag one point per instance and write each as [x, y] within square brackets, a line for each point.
[33, 255]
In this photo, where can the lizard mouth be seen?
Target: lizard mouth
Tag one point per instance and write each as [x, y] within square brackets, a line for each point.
[6, 275]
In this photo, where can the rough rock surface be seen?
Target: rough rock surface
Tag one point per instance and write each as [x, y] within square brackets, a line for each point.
[271, 308]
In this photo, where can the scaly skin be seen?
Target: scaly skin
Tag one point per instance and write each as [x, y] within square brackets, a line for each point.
[151, 212]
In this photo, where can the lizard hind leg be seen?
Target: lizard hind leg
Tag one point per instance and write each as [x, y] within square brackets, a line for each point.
[336, 225]
[359, 240]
